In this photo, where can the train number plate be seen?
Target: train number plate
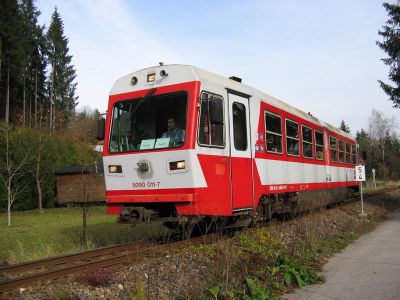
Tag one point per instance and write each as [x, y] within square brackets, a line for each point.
[145, 184]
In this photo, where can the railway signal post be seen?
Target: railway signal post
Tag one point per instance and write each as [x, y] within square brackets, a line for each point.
[360, 176]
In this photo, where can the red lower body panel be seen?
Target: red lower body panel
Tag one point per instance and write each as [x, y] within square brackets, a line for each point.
[216, 198]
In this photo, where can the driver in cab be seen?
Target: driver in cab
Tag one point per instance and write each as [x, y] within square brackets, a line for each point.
[176, 135]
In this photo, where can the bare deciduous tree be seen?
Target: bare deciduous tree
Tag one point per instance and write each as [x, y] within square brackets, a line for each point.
[37, 172]
[11, 170]
[380, 130]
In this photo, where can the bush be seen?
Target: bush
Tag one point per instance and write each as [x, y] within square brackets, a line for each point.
[96, 276]
[52, 152]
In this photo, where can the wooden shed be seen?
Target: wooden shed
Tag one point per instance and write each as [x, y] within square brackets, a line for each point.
[71, 182]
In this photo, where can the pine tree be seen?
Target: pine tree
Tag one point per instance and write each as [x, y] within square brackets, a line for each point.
[11, 54]
[391, 45]
[343, 126]
[61, 83]
[34, 63]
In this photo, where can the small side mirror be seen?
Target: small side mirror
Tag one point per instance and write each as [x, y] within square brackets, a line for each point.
[216, 111]
[364, 156]
[101, 125]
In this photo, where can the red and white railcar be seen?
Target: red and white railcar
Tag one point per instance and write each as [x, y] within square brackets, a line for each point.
[241, 147]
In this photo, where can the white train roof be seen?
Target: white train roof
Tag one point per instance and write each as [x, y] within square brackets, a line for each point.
[186, 73]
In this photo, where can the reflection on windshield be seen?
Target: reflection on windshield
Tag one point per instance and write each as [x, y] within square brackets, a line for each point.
[149, 123]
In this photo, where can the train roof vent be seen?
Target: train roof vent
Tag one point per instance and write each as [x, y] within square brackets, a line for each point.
[236, 79]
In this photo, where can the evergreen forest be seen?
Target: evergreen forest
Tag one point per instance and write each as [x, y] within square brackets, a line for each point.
[40, 129]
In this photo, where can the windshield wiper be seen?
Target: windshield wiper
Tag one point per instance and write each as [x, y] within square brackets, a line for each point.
[140, 101]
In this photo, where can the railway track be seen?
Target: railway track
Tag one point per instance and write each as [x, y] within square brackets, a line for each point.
[21, 275]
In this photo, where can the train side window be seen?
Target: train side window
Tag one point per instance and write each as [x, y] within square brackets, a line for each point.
[273, 132]
[319, 145]
[333, 149]
[306, 133]
[341, 150]
[353, 154]
[348, 153]
[292, 138]
[239, 126]
[210, 134]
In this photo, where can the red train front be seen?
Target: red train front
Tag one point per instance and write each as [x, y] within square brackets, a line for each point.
[181, 141]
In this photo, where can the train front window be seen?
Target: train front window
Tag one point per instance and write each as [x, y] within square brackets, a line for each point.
[147, 123]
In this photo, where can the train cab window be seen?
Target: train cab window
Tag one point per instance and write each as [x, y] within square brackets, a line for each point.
[353, 154]
[144, 123]
[319, 145]
[292, 138]
[211, 132]
[273, 132]
[306, 133]
[239, 126]
[348, 153]
[341, 150]
[333, 149]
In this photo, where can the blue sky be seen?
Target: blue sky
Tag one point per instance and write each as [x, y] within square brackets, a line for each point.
[320, 56]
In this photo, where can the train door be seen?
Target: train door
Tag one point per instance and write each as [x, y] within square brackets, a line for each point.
[240, 152]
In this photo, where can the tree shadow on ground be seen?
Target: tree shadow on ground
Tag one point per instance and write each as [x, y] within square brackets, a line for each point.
[106, 234]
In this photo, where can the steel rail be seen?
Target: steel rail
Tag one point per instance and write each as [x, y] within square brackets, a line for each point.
[51, 261]
[62, 270]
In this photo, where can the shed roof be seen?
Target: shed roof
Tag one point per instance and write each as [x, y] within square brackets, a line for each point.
[79, 169]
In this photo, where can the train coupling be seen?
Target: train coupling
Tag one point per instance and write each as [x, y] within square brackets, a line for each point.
[136, 215]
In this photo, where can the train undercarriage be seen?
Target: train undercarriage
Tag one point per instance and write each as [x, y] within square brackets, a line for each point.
[269, 206]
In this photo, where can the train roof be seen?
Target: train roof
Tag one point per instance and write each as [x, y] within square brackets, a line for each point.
[183, 73]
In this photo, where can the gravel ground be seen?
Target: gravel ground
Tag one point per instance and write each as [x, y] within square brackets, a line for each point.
[184, 274]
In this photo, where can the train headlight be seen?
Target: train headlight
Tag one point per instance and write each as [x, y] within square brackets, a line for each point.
[151, 77]
[115, 169]
[177, 165]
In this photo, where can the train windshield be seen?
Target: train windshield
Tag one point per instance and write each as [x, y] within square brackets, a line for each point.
[147, 123]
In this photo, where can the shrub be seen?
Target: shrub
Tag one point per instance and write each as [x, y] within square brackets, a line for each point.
[96, 276]
[256, 291]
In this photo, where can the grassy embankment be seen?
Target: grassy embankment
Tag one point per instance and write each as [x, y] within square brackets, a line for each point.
[286, 255]
[35, 235]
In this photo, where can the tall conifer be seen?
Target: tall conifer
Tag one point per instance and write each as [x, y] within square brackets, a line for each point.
[61, 78]
[11, 53]
[391, 45]
[34, 63]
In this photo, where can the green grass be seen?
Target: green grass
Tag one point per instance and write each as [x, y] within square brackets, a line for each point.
[35, 235]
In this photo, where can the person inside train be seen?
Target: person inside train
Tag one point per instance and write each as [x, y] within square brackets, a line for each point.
[176, 134]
